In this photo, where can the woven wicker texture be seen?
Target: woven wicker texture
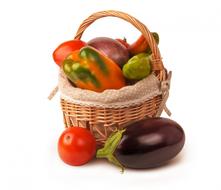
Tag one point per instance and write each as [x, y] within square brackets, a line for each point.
[103, 121]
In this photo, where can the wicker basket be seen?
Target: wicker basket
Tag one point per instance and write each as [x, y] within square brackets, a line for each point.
[103, 121]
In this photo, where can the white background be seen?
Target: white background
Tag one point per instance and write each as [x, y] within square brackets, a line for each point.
[30, 125]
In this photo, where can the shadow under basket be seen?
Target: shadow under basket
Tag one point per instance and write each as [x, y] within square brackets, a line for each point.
[102, 121]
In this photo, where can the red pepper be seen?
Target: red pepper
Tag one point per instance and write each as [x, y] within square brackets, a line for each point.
[141, 45]
[64, 49]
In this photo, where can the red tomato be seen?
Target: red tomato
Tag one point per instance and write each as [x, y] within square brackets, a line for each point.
[64, 49]
[123, 42]
[76, 146]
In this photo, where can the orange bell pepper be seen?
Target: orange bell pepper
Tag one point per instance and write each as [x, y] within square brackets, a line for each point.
[88, 69]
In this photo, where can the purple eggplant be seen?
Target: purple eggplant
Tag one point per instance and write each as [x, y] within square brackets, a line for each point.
[144, 144]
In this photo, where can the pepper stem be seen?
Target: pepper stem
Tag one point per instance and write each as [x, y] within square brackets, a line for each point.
[109, 148]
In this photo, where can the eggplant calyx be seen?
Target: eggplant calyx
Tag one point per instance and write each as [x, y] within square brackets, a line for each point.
[109, 148]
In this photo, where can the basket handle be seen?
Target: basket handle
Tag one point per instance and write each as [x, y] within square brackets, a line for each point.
[157, 64]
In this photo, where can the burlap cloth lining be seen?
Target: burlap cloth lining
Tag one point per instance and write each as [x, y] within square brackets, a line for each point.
[124, 97]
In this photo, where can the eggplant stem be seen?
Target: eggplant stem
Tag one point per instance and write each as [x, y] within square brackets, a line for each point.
[109, 148]
[101, 153]
[113, 160]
